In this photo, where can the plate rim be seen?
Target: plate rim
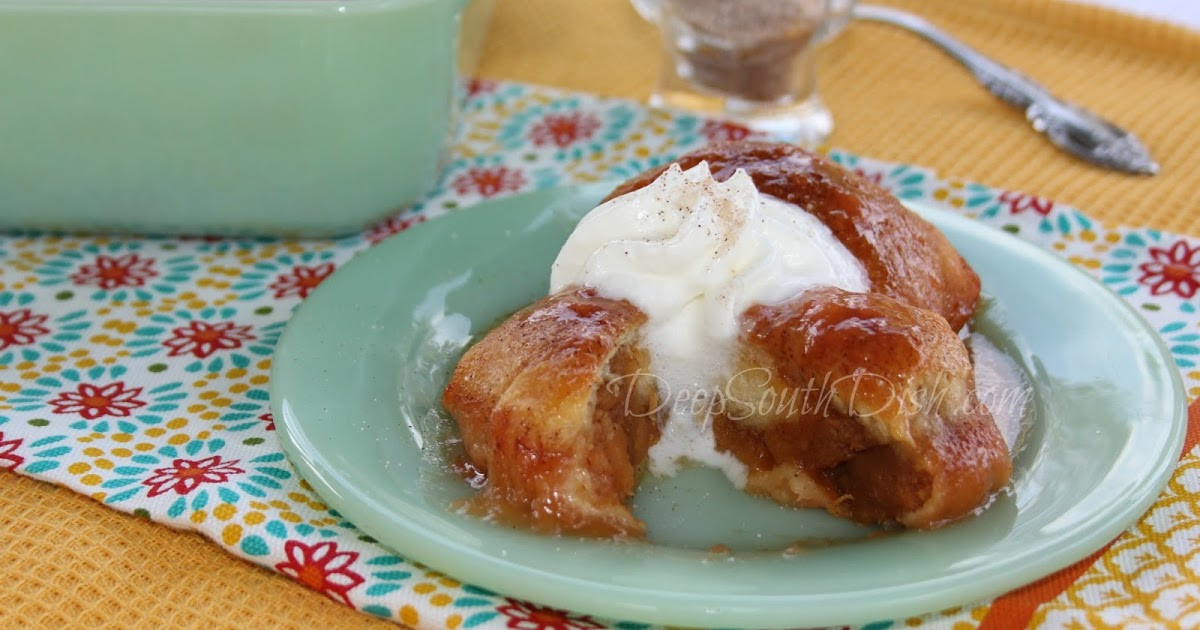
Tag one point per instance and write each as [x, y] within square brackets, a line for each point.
[487, 568]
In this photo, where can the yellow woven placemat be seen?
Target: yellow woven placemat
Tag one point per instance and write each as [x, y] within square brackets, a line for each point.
[66, 561]
[897, 98]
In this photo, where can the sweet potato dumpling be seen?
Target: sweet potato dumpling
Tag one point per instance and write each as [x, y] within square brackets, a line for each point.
[556, 408]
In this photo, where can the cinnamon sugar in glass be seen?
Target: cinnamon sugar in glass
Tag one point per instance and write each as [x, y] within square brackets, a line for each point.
[752, 61]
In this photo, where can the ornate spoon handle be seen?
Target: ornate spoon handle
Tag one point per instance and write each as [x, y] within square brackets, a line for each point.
[1067, 125]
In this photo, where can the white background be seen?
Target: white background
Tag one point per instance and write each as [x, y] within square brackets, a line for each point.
[1185, 12]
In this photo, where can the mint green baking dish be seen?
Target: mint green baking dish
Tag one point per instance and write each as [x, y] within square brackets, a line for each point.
[294, 117]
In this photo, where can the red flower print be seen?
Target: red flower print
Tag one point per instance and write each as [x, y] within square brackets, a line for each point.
[9, 460]
[200, 339]
[95, 401]
[1018, 203]
[1173, 270]
[563, 129]
[874, 178]
[322, 568]
[185, 475]
[392, 226]
[20, 328]
[475, 87]
[107, 272]
[724, 131]
[301, 280]
[269, 419]
[489, 182]
[529, 616]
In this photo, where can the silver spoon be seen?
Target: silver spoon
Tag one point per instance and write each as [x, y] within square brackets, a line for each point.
[1067, 125]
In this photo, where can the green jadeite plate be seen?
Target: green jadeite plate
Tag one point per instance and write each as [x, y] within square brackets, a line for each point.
[359, 371]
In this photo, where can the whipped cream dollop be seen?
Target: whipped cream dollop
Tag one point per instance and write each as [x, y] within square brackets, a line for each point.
[693, 254]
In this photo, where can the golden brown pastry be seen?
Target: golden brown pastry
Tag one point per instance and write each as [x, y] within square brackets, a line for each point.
[555, 408]
[864, 406]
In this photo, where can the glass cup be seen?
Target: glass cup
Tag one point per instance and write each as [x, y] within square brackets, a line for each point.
[750, 61]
